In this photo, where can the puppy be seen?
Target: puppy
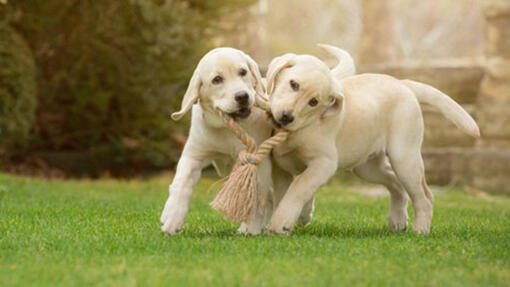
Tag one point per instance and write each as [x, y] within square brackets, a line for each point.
[370, 123]
[228, 80]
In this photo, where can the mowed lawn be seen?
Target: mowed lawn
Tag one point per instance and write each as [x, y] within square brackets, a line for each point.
[80, 233]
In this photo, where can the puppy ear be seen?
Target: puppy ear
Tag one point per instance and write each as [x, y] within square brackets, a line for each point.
[335, 98]
[277, 65]
[255, 72]
[190, 97]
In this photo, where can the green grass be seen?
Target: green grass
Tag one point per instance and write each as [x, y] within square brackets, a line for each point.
[76, 233]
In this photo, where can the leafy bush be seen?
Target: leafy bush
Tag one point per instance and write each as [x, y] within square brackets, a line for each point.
[110, 73]
[17, 90]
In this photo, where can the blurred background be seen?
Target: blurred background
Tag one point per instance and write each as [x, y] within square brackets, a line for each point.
[87, 87]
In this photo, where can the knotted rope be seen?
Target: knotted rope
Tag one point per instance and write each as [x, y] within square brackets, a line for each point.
[240, 196]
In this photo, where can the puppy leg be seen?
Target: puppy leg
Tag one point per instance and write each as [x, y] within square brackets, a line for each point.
[378, 170]
[410, 171]
[259, 221]
[301, 191]
[176, 207]
[282, 181]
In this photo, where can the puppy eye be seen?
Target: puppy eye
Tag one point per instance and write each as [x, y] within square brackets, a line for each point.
[294, 85]
[217, 80]
[242, 72]
[313, 102]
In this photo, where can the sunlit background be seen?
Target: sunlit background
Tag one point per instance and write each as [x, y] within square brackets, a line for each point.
[87, 87]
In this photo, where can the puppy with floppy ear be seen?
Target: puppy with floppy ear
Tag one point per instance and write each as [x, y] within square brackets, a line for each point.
[214, 57]
[229, 81]
[275, 67]
[320, 106]
[190, 97]
[335, 99]
[370, 123]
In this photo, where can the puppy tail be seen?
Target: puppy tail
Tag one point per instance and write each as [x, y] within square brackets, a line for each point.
[448, 107]
[345, 66]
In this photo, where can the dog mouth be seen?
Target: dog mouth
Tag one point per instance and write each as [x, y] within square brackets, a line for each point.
[273, 120]
[242, 113]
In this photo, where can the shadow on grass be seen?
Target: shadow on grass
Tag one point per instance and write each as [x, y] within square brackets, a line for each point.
[322, 230]
[328, 230]
[209, 233]
[332, 230]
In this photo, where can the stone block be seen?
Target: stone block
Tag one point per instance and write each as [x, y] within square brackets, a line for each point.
[488, 169]
[493, 142]
[493, 109]
[460, 79]
[446, 166]
[440, 132]
[498, 68]
[497, 14]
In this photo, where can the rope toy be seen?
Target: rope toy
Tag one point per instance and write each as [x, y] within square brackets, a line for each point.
[240, 197]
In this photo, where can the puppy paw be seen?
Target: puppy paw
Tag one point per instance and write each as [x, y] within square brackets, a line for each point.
[397, 226]
[421, 228]
[244, 229]
[172, 219]
[279, 231]
[171, 226]
[283, 220]
[397, 223]
[282, 229]
[422, 224]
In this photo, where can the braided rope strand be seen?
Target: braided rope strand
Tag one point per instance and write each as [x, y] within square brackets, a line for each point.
[238, 198]
[251, 151]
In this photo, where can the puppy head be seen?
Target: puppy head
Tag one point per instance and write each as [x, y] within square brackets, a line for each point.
[225, 79]
[301, 90]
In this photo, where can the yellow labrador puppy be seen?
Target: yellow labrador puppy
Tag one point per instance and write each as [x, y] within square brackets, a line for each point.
[369, 123]
[228, 80]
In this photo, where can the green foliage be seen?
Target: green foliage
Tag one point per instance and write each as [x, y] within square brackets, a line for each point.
[88, 233]
[18, 98]
[110, 74]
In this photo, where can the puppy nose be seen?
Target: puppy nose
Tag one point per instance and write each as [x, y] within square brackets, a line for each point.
[286, 118]
[241, 98]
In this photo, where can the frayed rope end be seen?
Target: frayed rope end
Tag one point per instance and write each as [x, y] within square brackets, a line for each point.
[240, 198]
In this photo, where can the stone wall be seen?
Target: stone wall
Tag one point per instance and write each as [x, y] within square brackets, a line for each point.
[494, 98]
[460, 79]
[492, 168]
[480, 85]
[483, 89]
